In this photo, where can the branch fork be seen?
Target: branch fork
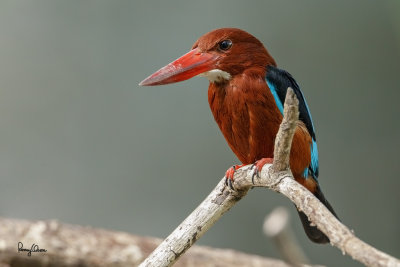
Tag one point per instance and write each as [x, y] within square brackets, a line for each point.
[279, 178]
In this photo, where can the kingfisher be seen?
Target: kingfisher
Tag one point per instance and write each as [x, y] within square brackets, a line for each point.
[246, 95]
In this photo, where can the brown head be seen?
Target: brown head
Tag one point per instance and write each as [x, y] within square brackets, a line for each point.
[218, 55]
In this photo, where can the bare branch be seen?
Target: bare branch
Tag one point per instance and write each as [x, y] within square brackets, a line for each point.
[72, 245]
[284, 137]
[67, 245]
[277, 226]
[277, 177]
[195, 225]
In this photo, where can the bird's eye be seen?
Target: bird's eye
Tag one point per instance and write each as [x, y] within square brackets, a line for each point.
[225, 45]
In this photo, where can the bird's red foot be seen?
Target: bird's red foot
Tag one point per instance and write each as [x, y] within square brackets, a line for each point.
[259, 164]
[229, 175]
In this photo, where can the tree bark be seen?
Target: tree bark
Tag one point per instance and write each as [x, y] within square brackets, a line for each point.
[72, 245]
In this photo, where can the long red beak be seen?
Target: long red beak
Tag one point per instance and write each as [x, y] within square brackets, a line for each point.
[187, 66]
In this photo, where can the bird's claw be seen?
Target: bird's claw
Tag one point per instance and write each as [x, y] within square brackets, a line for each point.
[259, 164]
[256, 172]
[229, 176]
[230, 184]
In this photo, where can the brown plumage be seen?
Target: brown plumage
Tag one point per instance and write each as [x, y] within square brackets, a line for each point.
[244, 107]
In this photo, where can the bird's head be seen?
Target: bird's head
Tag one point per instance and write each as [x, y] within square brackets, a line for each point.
[217, 55]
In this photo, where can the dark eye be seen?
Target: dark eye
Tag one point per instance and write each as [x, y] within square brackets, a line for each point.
[225, 45]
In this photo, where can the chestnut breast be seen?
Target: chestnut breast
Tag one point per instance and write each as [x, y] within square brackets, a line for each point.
[249, 119]
[247, 115]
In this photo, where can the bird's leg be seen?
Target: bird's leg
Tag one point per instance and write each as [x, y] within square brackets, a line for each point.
[259, 164]
[229, 175]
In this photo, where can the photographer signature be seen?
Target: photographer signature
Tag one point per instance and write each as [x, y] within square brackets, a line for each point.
[34, 248]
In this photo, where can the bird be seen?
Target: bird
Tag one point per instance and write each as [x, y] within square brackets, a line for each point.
[246, 95]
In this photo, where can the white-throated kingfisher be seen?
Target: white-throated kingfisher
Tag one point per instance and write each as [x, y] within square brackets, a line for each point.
[246, 96]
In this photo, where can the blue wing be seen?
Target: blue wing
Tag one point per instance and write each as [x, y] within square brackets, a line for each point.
[278, 81]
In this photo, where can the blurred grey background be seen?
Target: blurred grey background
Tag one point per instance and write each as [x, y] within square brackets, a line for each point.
[81, 142]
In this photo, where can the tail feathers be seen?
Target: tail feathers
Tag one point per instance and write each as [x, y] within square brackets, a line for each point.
[312, 232]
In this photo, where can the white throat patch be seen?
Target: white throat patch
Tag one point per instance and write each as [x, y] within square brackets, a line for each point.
[216, 75]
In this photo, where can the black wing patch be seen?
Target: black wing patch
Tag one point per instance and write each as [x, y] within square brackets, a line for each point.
[278, 81]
